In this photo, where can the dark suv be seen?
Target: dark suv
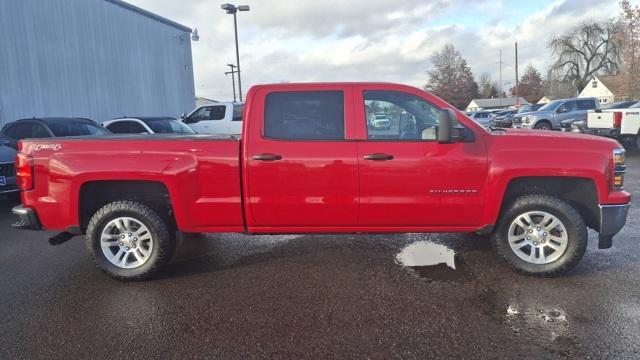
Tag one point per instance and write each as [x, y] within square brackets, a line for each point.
[38, 128]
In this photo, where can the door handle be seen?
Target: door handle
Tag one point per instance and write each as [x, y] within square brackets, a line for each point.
[267, 157]
[378, 157]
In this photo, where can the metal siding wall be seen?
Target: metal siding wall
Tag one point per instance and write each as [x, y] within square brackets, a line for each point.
[90, 58]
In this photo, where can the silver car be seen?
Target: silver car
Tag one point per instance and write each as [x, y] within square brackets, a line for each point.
[552, 115]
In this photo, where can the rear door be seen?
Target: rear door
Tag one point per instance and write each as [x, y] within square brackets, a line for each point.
[407, 179]
[301, 170]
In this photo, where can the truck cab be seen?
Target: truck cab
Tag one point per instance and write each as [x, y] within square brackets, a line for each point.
[216, 118]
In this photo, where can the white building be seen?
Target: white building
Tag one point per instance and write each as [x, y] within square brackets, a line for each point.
[606, 88]
[493, 104]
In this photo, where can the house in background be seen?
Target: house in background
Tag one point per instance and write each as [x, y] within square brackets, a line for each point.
[494, 104]
[545, 100]
[606, 88]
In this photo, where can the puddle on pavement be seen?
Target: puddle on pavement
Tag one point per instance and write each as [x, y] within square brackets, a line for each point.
[434, 262]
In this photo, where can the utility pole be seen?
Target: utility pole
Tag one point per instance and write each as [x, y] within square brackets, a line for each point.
[232, 9]
[233, 79]
[517, 79]
[500, 67]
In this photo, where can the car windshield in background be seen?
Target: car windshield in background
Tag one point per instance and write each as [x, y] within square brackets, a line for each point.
[65, 129]
[168, 126]
[635, 106]
[237, 112]
[619, 105]
[551, 106]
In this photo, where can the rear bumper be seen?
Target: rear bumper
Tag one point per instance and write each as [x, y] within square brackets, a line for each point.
[27, 218]
[612, 220]
[613, 133]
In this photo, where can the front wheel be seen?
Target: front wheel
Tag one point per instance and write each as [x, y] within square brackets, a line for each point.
[542, 125]
[541, 235]
[128, 241]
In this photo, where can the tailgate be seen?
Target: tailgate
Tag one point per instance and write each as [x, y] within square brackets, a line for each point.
[600, 120]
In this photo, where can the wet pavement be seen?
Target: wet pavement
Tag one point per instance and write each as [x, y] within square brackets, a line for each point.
[321, 296]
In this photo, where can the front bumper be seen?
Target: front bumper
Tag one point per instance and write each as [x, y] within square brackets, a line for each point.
[27, 218]
[612, 220]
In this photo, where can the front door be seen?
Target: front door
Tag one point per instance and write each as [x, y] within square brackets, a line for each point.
[300, 159]
[407, 178]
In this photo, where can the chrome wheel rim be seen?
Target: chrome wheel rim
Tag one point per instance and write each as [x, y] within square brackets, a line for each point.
[538, 237]
[126, 242]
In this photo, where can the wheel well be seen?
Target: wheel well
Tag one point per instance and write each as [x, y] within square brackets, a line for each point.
[543, 121]
[96, 194]
[579, 192]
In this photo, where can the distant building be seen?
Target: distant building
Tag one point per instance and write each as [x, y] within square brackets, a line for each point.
[98, 59]
[203, 101]
[606, 88]
[545, 100]
[492, 104]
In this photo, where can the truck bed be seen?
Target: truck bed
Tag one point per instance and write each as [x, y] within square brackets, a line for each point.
[201, 175]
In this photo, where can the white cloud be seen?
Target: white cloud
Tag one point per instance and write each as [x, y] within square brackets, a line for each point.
[378, 40]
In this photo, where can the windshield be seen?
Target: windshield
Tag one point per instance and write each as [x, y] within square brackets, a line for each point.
[65, 129]
[552, 105]
[637, 105]
[168, 126]
[619, 105]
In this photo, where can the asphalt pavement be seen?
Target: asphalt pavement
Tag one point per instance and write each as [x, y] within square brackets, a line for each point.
[320, 296]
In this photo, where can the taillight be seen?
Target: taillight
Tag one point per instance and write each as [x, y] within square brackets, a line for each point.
[24, 171]
[617, 120]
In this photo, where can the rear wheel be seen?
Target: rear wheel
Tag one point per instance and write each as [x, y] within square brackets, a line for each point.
[541, 235]
[128, 240]
[543, 125]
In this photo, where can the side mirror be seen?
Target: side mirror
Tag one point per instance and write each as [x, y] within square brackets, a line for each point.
[183, 116]
[561, 109]
[446, 127]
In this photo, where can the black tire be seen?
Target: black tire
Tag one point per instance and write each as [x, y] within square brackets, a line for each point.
[163, 242]
[570, 218]
[543, 125]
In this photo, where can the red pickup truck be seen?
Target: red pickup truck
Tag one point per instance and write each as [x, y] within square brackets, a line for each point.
[308, 162]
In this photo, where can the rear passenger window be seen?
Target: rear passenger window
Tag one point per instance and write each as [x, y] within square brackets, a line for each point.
[586, 104]
[309, 115]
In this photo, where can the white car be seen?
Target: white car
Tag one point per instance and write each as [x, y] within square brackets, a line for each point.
[216, 118]
[147, 125]
[620, 122]
[380, 121]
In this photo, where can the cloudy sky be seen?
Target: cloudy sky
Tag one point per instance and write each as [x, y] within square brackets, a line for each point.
[375, 40]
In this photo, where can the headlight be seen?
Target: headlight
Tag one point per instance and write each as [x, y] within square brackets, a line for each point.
[528, 119]
[619, 169]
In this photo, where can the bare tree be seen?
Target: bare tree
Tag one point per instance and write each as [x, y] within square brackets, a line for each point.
[630, 39]
[585, 51]
[452, 79]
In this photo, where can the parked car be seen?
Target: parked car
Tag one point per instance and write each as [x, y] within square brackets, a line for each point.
[618, 123]
[304, 165]
[506, 121]
[216, 118]
[379, 121]
[38, 128]
[147, 125]
[7, 167]
[551, 115]
[481, 117]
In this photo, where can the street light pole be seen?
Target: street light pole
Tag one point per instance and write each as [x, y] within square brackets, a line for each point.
[232, 9]
[233, 79]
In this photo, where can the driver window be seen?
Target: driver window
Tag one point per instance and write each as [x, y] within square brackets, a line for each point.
[393, 115]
